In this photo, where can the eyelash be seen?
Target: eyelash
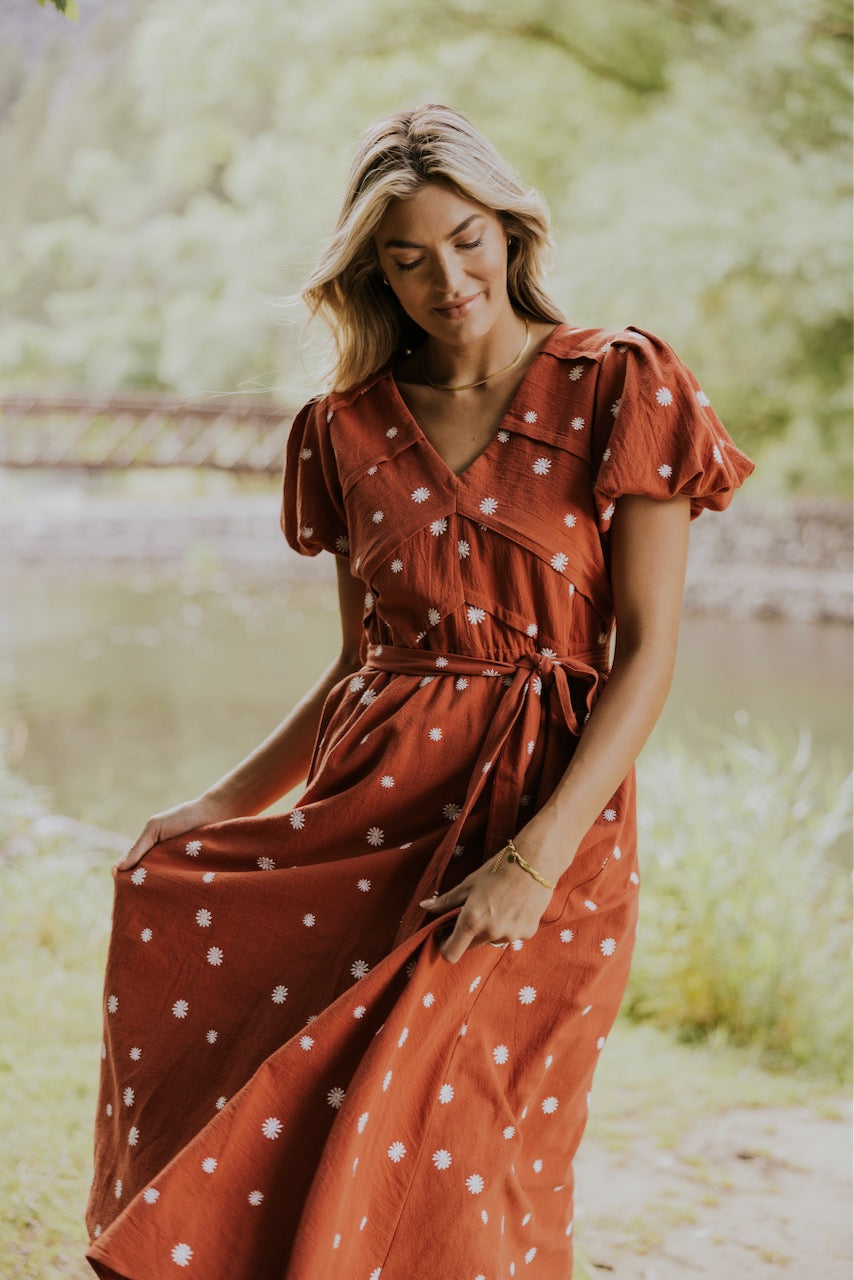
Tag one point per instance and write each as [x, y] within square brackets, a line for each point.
[410, 266]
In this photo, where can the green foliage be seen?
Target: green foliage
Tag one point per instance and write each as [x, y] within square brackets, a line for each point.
[181, 168]
[745, 915]
[68, 7]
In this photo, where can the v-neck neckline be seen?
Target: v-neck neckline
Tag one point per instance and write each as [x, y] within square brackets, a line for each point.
[511, 412]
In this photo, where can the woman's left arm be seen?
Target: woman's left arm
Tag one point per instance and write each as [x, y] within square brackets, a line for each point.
[649, 549]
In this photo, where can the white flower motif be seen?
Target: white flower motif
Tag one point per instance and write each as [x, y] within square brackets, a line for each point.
[362, 1121]
[203, 918]
[305, 454]
[192, 848]
[452, 811]
[590, 904]
[446, 1093]
[386, 1081]
[180, 1008]
[306, 532]
[609, 815]
[461, 683]
[508, 1131]
[212, 1037]
[387, 781]
[463, 549]
[566, 935]
[503, 436]
[717, 455]
[441, 661]
[402, 1039]
[608, 512]
[221, 1101]
[527, 995]
[475, 614]
[434, 617]
[421, 494]
[608, 946]
[435, 734]
[634, 878]
[266, 864]
[438, 527]
[615, 408]
[359, 968]
[272, 1127]
[559, 561]
[575, 372]
[139, 875]
[489, 506]
[531, 630]
[396, 565]
[500, 1054]
[255, 1197]
[474, 1182]
[378, 517]
[665, 470]
[537, 684]
[600, 1043]
[375, 836]
[215, 955]
[577, 424]
[541, 466]
[209, 1164]
[117, 1190]
[550, 1105]
[128, 1097]
[135, 1053]
[617, 854]
[360, 1011]
[442, 1158]
[531, 1253]
[391, 433]
[297, 819]
[342, 543]
[531, 416]
[474, 984]
[146, 935]
[309, 919]
[428, 999]
[182, 1255]
[664, 396]
[702, 398]
[280, 994]
[363, 885]
[606, 456]
[112, 1004]
[396, 1152]
[369, 600]
[537, 1166]
[151, 1195]
[369, 696]
[306, 1043]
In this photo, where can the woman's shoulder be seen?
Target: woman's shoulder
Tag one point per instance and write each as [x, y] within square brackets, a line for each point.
[570, 342]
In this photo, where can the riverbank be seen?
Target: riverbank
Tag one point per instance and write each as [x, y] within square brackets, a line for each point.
[790, 560]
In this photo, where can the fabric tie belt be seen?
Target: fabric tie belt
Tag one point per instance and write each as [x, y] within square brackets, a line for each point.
[531, 681]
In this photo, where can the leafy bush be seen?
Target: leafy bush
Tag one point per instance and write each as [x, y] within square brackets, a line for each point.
[745, 911]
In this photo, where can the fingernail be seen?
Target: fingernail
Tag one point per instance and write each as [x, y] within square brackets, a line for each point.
[425, 902]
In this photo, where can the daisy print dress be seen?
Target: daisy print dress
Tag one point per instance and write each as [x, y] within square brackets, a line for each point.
[295, 1084]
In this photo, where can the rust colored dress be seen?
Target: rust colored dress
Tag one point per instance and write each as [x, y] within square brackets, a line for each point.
[295, 1084]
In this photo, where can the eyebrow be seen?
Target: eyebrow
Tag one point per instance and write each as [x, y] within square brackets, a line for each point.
[409, 244]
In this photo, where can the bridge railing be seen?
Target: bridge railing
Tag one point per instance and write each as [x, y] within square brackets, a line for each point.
[136, 430]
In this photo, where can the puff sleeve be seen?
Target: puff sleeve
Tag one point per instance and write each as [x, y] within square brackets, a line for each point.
[655, 432]
[313, 517]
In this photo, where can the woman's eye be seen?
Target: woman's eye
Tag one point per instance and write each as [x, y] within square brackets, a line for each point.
[474, 244]
[408, 266]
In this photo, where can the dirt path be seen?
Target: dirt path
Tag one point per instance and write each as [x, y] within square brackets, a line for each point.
[739, 1194]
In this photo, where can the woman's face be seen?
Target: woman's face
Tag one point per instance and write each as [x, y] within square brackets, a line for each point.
[445, 257]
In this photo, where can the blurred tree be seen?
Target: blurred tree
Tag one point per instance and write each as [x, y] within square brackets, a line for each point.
[180, 171]
[68, 7]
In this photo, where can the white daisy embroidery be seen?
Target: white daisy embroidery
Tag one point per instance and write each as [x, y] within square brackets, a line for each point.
[146, 935]
[428, 999]
[607, 513]
[461, 683]
[128, 1097]
[615, 408]
[665, 470]
[527, 995]
[531, 1253]
[360, 1011]
[503, 436]
[475, 614]
[396, 565]
[600, 1043]
[378, 517]
[306, 1043]
[362, 1121]
[442, 1158]
[335, 1096]
[474, 1182]
[402, 1039]
[438, 527]
[590, 904]
[306, 532]
[266, 864]
[387, 781]
[577, 424]
[566, 935]
[608, 946]
[664, 396]
[575, 372]
[255, 1197]
[391, 433]
[117, 1190]
[500, 1054]
[610, 815]
[369, 696]
[369, 600]
[531, 630]
[489, 506]
[559, 561]
[396, 1152]
[387, 1081]
[446, 1093]
[537, 1166]
[421, 494]
[221, 1101]
[139, 875]
[279, 994]
[209, 877]
[634, 878]
[463, 549]
[364, 885]
[272, 1127]
[309, 919]
[717, 455]
[435, 734]
[151, 1195]
[212, 1037]
[375, 836]
[606, 456]
[474, 984]
[359, 968]
[215, 955]
[452, 811]
[508, 1131]
[342, 543]
[180, 1008]
[530, 416]
[297, 819]
[305, 454]
[550, 1105]
[203, 918]
[209, 1164]
[192, 848]
[441, 661]
[702, 398]
[434, 617]
[135, 1053]
[182, 1255]
[541, 466]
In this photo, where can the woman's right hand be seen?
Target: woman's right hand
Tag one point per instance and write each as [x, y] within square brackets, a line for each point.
[173, 822]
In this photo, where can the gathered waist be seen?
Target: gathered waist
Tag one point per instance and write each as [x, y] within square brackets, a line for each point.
[435, 662]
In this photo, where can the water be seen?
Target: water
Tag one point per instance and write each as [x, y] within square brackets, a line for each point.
[123, 696]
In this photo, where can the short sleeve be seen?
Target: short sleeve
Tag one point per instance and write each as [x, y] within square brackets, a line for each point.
[655, 432]
[313, 518]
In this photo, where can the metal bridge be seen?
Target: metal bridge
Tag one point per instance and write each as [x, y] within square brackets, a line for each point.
[93, 432]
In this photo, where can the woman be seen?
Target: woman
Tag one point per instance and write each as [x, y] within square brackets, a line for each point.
[358, 1038]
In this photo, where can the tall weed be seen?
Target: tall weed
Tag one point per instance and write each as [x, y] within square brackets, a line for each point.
[745, 911]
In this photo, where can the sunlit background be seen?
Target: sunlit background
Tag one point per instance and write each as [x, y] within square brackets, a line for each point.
[169, 170]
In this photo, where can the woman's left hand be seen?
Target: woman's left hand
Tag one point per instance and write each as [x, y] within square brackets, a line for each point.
[497, 906]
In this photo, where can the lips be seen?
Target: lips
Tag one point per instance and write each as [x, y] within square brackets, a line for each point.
[457, 309]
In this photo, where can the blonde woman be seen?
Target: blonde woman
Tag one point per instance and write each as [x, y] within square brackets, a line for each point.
[358, 1039]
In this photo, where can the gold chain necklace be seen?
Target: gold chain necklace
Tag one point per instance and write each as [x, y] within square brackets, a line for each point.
[467, 386]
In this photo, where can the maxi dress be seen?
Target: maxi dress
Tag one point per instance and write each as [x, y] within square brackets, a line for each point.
[295, 1084]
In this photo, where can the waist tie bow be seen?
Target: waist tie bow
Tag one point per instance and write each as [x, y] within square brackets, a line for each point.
[528, 679]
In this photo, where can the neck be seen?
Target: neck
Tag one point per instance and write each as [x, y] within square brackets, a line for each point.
[449, 368]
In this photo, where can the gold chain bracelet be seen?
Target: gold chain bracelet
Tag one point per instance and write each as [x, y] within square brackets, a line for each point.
[513, 855]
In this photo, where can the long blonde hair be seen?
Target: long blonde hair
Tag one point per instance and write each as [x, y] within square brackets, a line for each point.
[396, 156]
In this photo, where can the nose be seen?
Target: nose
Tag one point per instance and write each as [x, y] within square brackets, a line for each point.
[447, 273]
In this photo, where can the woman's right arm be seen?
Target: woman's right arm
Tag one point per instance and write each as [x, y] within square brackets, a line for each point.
[281, 761]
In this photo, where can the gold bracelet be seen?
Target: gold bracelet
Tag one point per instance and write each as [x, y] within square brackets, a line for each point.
[513, 855]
